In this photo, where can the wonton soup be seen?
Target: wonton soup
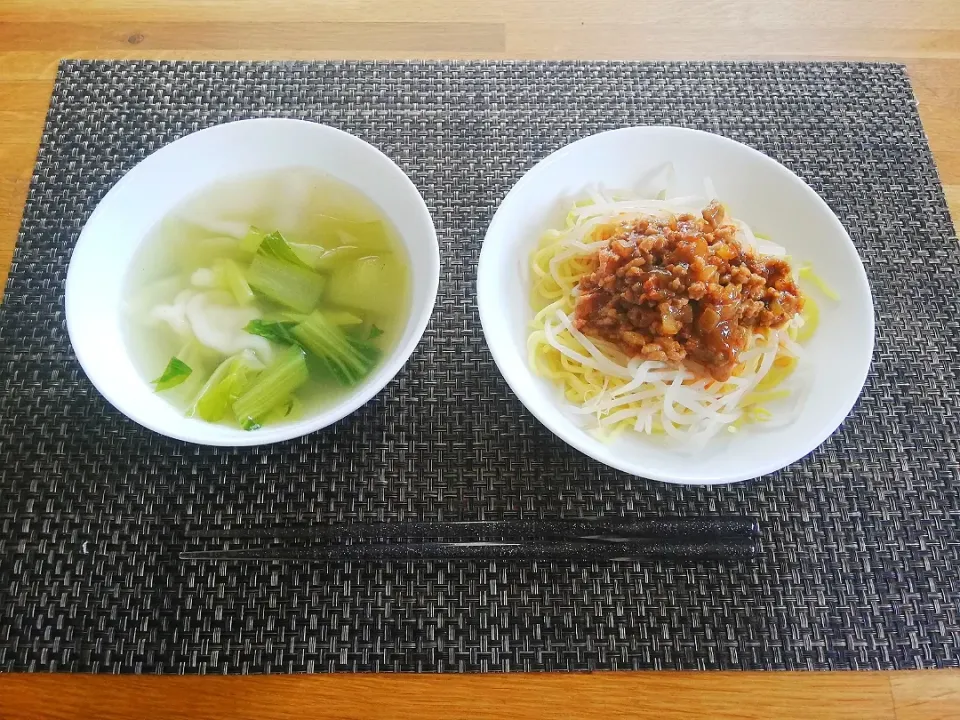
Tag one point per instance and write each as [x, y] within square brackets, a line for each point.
[261, 298]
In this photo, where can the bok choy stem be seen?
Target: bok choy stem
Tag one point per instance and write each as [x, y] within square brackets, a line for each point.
[349, 360]
[272, 387]
[287, 284]
[233, 376]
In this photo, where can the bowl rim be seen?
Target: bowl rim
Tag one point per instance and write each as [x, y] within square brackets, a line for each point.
[324, 417]
[579, 439]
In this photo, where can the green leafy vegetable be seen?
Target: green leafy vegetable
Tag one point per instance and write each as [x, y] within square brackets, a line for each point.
[232, 278]
[289, 409]
[336, 257]
[290, 285]
[309, 253]
[176, 372]
[278, 332]
[373, 283]
[231, 378]
[342, 317]
[251, 243]
[272, 387]
[275, 245]
[375, 332]
[348, 360]
[333, 231]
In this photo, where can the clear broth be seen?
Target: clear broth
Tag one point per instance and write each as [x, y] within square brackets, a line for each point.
[309, 209]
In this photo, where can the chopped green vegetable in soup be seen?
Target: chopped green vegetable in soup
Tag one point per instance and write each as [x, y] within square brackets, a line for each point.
[263, 298]
[284, 283]
[349, 360]
[176, 372]
[278, 332]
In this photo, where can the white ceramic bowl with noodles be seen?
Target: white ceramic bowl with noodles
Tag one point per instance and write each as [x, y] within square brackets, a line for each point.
[127, 214]
[756, 189]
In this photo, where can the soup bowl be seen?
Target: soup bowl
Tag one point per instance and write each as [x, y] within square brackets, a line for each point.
[126, 215]
[757, 190]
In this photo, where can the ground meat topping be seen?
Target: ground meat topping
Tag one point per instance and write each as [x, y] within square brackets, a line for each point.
[683, 290]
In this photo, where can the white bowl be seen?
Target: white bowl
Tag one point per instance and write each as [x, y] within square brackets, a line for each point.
[758, 190]
[144, 195]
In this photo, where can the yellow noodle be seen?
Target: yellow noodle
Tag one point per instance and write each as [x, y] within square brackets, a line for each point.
[553, 290]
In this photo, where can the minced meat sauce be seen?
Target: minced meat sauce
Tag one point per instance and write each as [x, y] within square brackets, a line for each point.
[683, 290]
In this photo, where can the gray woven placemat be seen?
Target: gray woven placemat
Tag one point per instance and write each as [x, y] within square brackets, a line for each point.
[861, 539]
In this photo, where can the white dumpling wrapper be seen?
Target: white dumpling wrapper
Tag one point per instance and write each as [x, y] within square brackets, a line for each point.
[175, 314]
[218, 323]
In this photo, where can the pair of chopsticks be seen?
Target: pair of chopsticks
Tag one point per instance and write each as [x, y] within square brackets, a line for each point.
[702, 538]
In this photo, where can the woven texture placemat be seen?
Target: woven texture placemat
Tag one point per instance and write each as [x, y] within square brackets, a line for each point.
[859, 568]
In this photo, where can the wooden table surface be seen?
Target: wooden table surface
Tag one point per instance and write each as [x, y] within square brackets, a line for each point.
[35, 34]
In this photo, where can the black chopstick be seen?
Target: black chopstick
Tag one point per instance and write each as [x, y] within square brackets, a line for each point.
[689, 528]
[586, 551]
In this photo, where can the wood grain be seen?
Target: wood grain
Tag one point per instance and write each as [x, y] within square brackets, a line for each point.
[344, 37]
[667, 696]
[926, 696]
[35, 34]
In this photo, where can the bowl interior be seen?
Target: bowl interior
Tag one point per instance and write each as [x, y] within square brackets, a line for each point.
[758, 190]
[125, 216]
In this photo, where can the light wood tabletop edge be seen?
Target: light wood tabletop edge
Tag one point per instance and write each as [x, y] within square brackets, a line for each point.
[35, 34]
[518, 696]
